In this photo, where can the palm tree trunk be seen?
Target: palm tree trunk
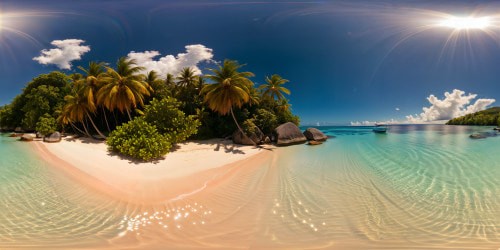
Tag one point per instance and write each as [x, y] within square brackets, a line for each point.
[129, 117]
[76, 128]
[105, 118]
[241, 130]
[95, 127]
[85, 128]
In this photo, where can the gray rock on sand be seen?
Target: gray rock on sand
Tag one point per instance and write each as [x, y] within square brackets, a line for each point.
[288, 134]
[54, 137]
[315, 134]
[267, 140]
[27, 137]
[250, 139]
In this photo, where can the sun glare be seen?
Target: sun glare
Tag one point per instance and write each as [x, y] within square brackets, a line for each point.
[466, 23]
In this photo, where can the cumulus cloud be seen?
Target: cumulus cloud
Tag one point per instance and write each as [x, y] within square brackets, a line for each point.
[65, 52]
[173, 64]
[454, 104]
[397, 109]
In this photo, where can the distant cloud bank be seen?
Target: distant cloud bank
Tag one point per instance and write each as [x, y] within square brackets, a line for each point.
[454, 104]
[66, 51]
[194, 54]
[372, 123]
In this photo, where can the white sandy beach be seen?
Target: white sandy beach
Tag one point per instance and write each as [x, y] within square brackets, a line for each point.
[189, 167]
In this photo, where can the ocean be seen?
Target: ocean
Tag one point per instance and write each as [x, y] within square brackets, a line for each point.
[418, 186]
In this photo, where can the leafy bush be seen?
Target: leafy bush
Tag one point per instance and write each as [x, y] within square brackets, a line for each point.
[265, 120]
[168, 119]
[46, 125]
[249, 126]
[140, 140]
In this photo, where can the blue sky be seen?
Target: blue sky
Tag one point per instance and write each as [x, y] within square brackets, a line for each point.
[346, 60]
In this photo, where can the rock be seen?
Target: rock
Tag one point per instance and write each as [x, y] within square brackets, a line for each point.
[54, 137]
[18, 130]
[267, 140]
[15, 135]
[288, 134]
[315, 134]
[482, 135]
[250, 139]
[27, 137]
[39, 135]
[314, 143]
[477, 136]
[497, 129]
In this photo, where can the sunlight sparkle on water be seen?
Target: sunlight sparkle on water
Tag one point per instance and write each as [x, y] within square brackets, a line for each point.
[162, 219]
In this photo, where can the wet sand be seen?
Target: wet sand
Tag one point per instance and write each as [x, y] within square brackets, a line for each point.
[188, 169]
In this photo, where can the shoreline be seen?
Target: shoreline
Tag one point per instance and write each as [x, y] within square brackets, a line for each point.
[192, 167]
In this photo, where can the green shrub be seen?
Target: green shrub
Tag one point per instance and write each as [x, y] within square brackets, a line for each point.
[46, 125]
[169, 120]
[265, 120]
[140, 140]
[249, 126]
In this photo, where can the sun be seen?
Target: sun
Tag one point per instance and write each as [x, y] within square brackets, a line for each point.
[465, 23]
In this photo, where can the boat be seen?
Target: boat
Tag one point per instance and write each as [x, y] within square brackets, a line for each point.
[380, 128]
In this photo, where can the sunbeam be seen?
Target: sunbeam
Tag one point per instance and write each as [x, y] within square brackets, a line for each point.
[466, 23]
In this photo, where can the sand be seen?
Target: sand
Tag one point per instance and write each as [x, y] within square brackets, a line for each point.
[184, 171]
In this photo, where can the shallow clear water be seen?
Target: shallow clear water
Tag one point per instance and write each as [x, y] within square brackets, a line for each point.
[414, 187]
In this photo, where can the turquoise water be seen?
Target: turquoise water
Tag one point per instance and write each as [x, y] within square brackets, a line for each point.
[414, 187]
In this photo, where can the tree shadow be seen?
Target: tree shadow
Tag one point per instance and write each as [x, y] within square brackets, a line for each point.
[85, 140]
[134, 160]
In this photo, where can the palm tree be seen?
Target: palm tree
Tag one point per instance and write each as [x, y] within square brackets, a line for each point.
[283, 105]
[230, 88]
[91, 81]
[91, 85]
[273, 89]
[77, 108]
[156, 86]
[254, 97]
[124, 88]
[153, 81]
[187, 78]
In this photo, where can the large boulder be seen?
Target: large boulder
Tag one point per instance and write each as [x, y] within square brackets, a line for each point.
[288, 134]
[250, 139]
[315, 134]
[18, 130]
[54, 137]
[27, 137]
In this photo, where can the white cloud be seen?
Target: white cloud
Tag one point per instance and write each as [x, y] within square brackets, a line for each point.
[372, 123]
[454, 104]
[65, 52]
[173, 64]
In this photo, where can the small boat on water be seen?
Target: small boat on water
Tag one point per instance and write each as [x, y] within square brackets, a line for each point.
[380, 128]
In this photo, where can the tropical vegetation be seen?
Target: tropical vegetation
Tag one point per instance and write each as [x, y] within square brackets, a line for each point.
[144, 115]
[487, 117]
